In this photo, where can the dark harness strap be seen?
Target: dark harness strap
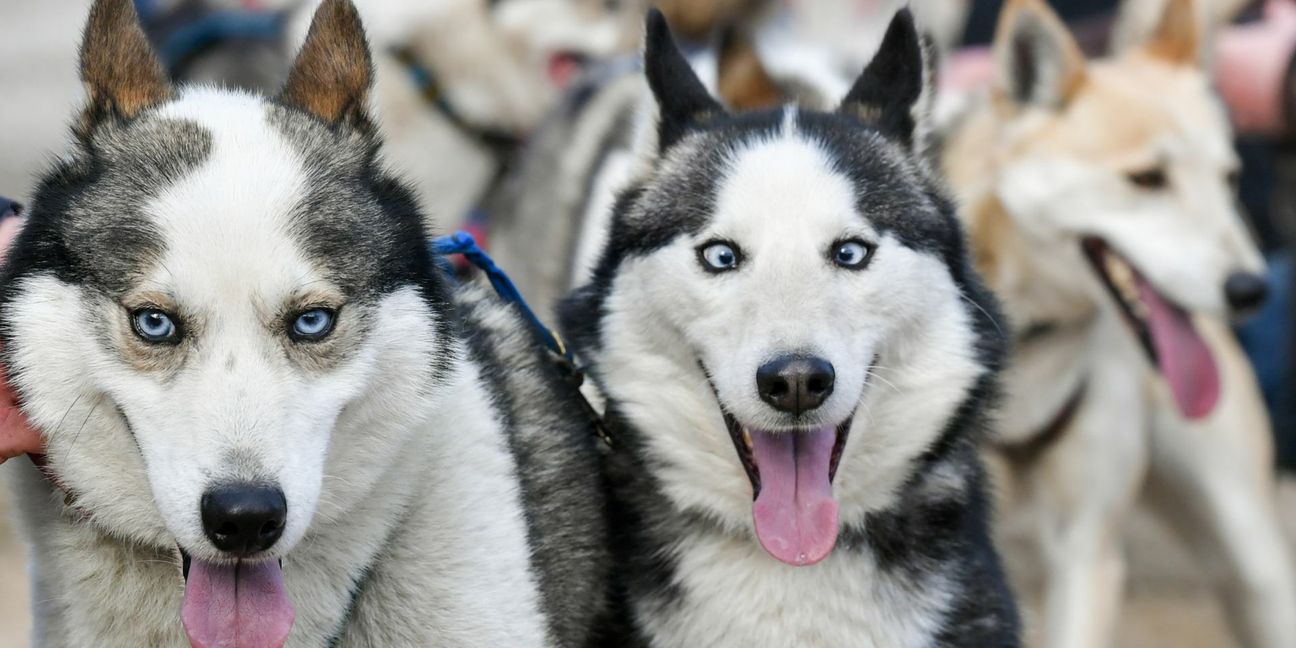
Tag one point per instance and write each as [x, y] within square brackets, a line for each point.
[1028, 451]
[501, 143]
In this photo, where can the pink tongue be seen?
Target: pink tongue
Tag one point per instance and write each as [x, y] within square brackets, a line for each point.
[796, 517]
[563, 69]
[1186, 361]
[243, 606]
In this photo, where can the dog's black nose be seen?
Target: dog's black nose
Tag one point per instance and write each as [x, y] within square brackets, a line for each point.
[795, 383]
[244, 519]
[1245, 291]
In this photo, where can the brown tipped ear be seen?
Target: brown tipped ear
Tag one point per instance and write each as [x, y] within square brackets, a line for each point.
[1177, 35]
[332, 74]
[1039, 61]
[744, 83]
[120, 72]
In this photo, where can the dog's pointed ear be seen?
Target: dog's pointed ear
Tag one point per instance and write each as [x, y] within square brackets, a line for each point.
[888, 94]
[333, 71]
[1039, 62]
[122, 76]
[682, 100]
[1177, 36]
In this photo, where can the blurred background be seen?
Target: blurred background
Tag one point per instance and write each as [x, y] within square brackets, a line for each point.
[493, 72]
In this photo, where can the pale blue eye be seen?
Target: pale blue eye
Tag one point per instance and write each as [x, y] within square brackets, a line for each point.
[153, 325]
[851, 254]
[718, 257]
[313, 324]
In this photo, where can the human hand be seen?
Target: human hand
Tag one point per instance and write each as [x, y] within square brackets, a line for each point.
[17, 436]
[1252, 61]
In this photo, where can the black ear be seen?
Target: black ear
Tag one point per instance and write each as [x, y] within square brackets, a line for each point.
[121, 74]
[888, 91]
[333, 71]
[682, 100]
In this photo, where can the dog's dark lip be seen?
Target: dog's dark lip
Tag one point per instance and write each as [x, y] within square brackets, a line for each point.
[1099, 254]
[743, 447]
[186, 561]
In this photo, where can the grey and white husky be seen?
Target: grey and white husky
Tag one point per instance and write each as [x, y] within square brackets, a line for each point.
[797, 361]
[270, 420]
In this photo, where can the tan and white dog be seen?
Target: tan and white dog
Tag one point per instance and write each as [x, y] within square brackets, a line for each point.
[1101, 210]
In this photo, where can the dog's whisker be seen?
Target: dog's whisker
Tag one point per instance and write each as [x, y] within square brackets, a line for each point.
[993, 320]
[85, 421]
[888, 383]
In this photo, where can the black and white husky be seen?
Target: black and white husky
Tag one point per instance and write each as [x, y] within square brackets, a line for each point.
[269, 420]
[797, 361]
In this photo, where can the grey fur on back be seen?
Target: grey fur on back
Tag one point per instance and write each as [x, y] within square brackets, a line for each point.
[557, 458]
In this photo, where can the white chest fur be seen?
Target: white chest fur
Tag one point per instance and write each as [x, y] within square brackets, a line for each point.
[734, 594]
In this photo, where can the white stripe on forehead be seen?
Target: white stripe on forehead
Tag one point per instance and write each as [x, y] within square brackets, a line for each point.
[226, 223]
[785, 191]
[789, 119]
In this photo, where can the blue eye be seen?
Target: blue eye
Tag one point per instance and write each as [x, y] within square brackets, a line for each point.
[314, 324]
[852, 255]
[719, 256]
[154, 326]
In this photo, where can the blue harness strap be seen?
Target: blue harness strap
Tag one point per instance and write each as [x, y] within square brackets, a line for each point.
[463, 243]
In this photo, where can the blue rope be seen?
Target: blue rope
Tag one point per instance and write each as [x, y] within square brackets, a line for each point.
[463, 243]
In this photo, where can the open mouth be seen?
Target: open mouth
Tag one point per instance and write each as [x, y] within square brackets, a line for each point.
[1164, 330]
[564, 67]
[240, 604]
[791, 473]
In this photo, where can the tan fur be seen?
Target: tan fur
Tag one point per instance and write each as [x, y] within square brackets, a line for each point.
[744, 82]
[1210, 477]
[1176, 38]
[144, 357]
[120, 72]
[333, 72]
[698, 19]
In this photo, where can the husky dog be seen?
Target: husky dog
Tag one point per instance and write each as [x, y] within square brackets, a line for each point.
[797, 360]
[1100, 207]
[552, 214]
[262, 401]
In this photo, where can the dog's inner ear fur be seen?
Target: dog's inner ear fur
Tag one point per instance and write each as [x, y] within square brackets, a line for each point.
[121, 74]
[682, 100]
[333, 71]
[1039, 62]
[1176, 38]
[886, 95]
